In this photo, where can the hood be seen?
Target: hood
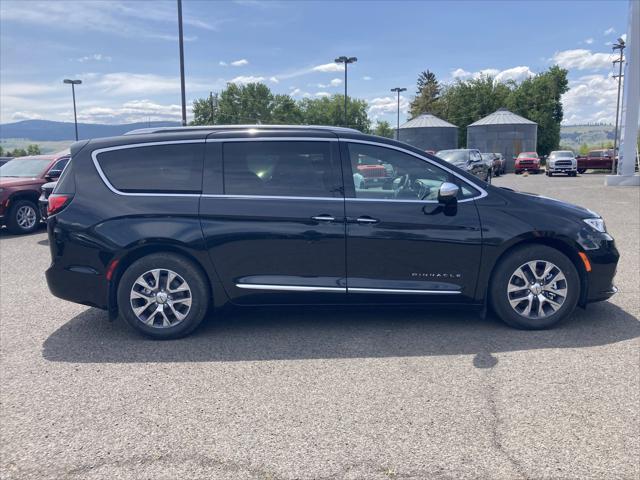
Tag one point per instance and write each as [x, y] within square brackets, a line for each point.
[7, 182]
[546, 203]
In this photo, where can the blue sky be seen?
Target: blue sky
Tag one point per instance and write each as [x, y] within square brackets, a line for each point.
[126, 52]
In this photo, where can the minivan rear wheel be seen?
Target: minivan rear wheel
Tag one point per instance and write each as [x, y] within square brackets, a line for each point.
[534, 287]
[163, 296]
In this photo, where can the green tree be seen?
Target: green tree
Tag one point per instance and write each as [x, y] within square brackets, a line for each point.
[427, 95]
[330, 111]
[33, 149]
[384, 129]
[285, 111]
[539, 99]
[205, 110]
[584, 149]
[18, 152]
[1, 151]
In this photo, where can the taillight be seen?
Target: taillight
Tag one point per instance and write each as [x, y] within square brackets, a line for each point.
[57, 201]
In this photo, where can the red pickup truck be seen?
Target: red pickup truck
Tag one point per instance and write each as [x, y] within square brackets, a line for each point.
[601, 159]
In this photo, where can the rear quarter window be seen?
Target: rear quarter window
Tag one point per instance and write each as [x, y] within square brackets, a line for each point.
[67, 181]
[174, 168]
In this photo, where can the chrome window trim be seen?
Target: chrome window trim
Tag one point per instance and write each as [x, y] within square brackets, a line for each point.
[96, 163]
[483, 192]
[311, 288]
[269, 197]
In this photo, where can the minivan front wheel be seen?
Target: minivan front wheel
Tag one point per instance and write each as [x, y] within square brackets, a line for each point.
[163, 296]
[534, 287]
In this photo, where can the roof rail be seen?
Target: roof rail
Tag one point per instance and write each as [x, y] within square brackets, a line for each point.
[142, 131]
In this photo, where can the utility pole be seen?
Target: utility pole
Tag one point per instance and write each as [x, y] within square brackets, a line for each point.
[212, 108]
[346, 61]
[181, 40]
[398, 90]
[617, 46]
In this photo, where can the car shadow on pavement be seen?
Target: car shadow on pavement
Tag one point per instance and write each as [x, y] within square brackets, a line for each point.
[325, 333]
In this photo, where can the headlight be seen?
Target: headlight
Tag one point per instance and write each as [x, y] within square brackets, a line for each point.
[596, 224]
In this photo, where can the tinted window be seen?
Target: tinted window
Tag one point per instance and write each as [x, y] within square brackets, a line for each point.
[156, 169]
[59, 165]
[290, 169]
[385, 173]
[454, 156]
[67, 181]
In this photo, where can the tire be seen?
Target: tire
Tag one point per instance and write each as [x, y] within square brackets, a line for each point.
[582, 170]
[549, 174]
[488, 180]
[170, 322]
[572, 174]
[504, 277]
[23, 217]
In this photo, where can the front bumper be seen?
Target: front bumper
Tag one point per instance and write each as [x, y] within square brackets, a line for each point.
[604, 263]
[562, 169]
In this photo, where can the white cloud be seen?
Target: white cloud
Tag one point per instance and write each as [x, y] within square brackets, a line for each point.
[588, 41]
[460, 73]
[517, 74]
[609, 31]
[295, 92]
[333, 83]
[322, 94]
[274, 80]
[328, 67]
[582, 59]
[244, 79]
[29, 89]
[591, 98]
[98, 57]
[132, 111]
[240, 63]
[366, 78]
[380, 106]
[125, 83]
[17, 116]
[222, 63]
[114, 17]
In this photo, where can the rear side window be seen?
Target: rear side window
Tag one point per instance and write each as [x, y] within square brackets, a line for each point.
[175, 168]
[300, 169]
[67, 181]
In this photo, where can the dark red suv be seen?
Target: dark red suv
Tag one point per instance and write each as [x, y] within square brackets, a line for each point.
[20, 182]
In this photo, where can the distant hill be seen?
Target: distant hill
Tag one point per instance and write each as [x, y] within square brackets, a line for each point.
[574, 136]
[47, 130]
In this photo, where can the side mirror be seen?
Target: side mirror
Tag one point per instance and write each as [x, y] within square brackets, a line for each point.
[53, 174]
[448, 193]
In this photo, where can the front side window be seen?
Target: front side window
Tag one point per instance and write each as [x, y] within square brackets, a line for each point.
[385, 173]
[287, 168]
[173, 168]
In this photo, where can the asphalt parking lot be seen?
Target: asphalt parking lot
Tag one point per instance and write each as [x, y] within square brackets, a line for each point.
[324, 393]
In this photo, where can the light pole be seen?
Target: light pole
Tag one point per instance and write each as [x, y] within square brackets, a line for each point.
[398, 90]
[617, 46]
[346, 61]
[73, 84]
[181, 41]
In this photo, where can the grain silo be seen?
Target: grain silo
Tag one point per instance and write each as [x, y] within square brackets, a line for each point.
[428, 132]
[503, 132]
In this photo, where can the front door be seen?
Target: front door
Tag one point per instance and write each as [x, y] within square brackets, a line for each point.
[402, 245]
[276, 233]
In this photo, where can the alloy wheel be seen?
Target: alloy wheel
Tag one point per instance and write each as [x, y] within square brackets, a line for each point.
[160, 298]
[537, 289]
[26, 217]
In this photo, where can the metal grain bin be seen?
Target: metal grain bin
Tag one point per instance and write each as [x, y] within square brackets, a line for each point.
[503, 132]
[428, 132]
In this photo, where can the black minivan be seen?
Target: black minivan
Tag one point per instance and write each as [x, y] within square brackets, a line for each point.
[159, 225]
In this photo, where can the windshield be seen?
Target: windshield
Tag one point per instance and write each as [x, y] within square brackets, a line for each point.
[33, 167]
[528, 155]
[487, 156]
[453, 156]
[562, 154]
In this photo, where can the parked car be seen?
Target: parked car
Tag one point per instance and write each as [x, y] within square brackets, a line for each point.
[20, 182]
[494, 163]
[4, 160]
[600, 159]
[562, 161]
[527, 162]
[370, 172]
[43, 201]
[468, 159]
[241, 227]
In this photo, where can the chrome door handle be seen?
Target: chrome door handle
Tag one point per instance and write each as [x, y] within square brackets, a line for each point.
[324, 218]
[367, 220]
